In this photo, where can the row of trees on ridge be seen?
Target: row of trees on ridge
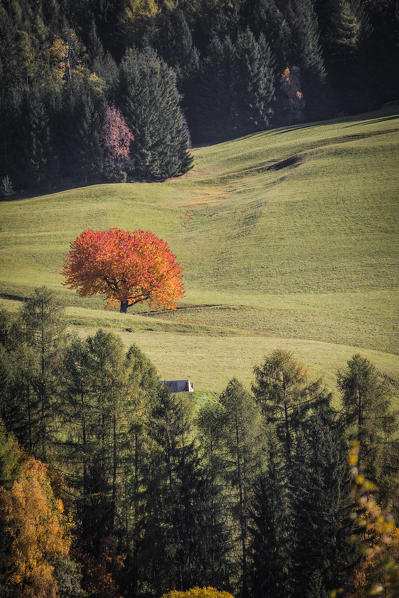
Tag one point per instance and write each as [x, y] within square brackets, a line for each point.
[114, 91]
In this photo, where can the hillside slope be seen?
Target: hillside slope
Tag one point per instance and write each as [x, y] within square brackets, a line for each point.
[288, 236]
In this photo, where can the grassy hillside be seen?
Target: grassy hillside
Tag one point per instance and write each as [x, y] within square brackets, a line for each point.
[288, 238]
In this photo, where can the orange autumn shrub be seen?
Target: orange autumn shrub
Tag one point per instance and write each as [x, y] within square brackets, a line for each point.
[378, 541]
[38, 529]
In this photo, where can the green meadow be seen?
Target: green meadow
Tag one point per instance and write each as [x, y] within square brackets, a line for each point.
[288, 238]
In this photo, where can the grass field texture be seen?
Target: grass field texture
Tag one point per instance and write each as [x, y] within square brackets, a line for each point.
[288, 238]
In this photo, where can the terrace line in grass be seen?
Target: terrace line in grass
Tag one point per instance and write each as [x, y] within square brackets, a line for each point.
[304, 255]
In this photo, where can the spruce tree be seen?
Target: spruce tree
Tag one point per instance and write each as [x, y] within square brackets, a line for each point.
[271, 527]
[316, 587]
[184, 544]
[20, 403]
[108, 428]
[236, 88]
[35, 138]
[255, 87]
[151, 107]
[215, 113]
[176, 44]
[342, 28]
[264, 17]
[240, 431]
[307, 54]
[321, 504]
[342, 31]
[142, 390]
[83, 108]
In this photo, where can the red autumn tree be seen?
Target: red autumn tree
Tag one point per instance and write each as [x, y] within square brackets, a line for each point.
[126, 267]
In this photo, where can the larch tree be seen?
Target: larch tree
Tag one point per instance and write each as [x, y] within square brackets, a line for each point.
[376, 538]
[126, 267]
[38, 529]
[284, 393]
[44, 327]
[29, 349]
[366, 396]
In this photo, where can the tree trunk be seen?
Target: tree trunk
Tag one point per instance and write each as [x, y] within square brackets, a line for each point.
[244, 589]
[287, 434]
[124, 306]
[29, 421]
[114, 469]
[84, 449]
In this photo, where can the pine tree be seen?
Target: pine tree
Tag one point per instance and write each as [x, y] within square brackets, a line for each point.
[306, 52]
[184, 544]
[83, 108]
[271, 530]
[265, 18]
[342, 30]
[35, 136]
[151, 106]
[255, 83]
[241, 441]
[215, 114]
[366, 398]
[44, 328]
[321, 504]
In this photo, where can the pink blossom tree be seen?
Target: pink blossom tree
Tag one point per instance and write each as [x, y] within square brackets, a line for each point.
[293, 102]
[117, 140]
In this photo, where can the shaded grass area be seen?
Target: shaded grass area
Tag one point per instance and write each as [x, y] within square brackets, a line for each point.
[286, 234]
[210, 362]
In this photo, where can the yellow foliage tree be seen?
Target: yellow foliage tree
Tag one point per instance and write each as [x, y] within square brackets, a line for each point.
[39, 530]
[198, 593]
[140, 9]
[378, 572]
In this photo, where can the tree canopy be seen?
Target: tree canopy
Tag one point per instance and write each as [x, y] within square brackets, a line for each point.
[126, 267]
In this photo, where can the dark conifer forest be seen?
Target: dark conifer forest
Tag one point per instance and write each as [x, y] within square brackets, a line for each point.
[111, 486]
[118, 89]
